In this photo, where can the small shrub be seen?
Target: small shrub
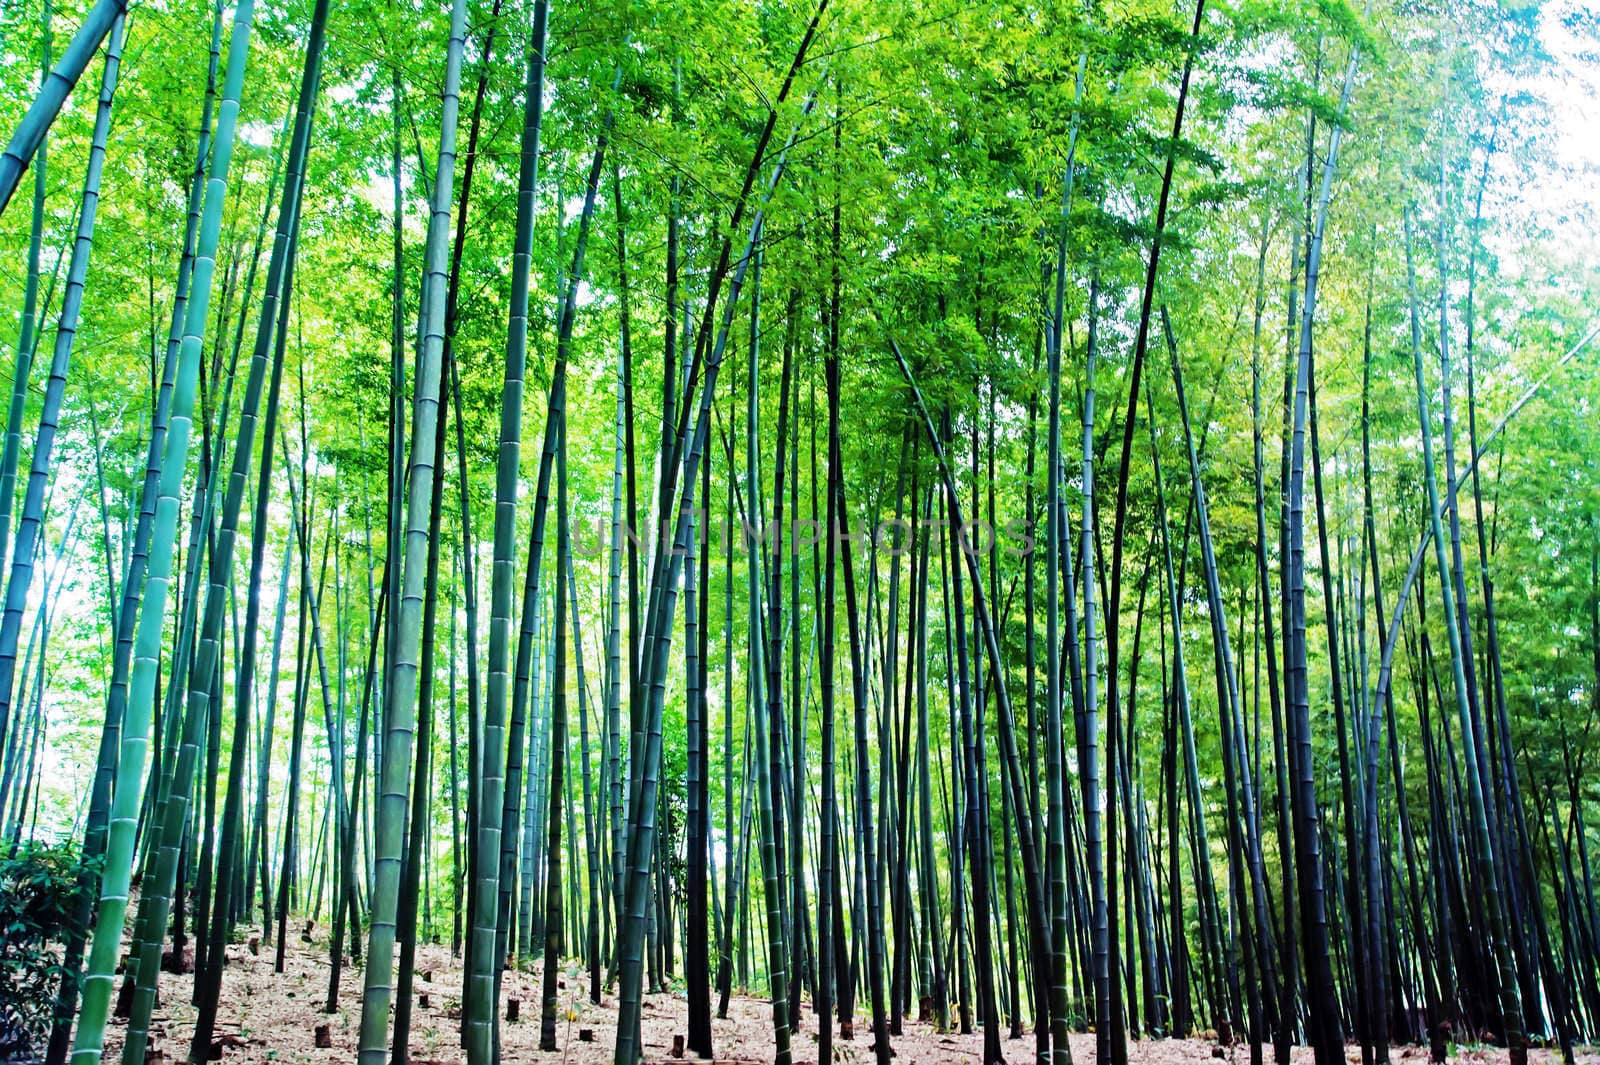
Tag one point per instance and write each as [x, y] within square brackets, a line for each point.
[41, 887]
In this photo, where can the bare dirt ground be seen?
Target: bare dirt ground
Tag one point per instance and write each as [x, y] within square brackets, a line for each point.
[271, 1017]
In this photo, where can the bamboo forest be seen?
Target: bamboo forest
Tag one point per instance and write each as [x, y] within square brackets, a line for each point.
[799, 531]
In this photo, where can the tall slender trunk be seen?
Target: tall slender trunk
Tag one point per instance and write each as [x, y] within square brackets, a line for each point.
[395, 765]
[554, 938]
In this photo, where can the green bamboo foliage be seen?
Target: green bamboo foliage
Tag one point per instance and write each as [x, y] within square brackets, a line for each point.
[90, 1039]
[914, 835]
[392, 806]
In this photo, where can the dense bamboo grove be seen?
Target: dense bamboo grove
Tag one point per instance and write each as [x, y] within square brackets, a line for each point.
[1021, 518]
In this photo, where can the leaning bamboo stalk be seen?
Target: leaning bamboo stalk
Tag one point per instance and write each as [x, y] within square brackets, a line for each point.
[27, 336]
[658, 632]
[30, 132]
[30, 527]
[272, 323]
[204, 673]
[1236, 768]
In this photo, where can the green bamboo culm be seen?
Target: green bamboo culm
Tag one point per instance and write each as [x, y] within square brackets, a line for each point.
[1032, 869]
[27, 341]
[29, 135]
[148, 929]
[393, 807]
[1325, 1029]
[494, 884]
[1236, 768]
[770, 794]
[519, 787]
[28, 530]
[554, 940]
[480, 977]
[1057, 559]
[112, 908]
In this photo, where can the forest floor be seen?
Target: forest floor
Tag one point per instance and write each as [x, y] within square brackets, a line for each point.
[270, 1017]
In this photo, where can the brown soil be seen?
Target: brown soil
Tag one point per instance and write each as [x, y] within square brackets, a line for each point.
[268, 1017]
